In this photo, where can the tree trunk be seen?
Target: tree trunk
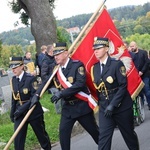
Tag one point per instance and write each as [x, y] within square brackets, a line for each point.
[43, 23]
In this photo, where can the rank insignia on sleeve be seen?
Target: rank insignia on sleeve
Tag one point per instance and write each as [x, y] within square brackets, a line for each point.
[35, 85]
[123, 71]
[81, 70]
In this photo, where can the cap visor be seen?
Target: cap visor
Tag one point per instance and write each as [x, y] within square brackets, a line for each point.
[12, 66]
[98, 47]
[57, 52]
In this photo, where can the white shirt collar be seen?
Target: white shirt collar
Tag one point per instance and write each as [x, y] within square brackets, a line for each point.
[21, 75]
[66, 63]
[105, 61]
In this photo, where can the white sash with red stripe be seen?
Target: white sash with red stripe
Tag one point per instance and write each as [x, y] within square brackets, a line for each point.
[81, 95]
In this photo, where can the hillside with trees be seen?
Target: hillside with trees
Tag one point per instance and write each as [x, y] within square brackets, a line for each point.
[128, 20]
[133, 23]
[21, 36]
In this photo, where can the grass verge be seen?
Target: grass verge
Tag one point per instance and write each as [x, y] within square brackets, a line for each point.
[51, 119]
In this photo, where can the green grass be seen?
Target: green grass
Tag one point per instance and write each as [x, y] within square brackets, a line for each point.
[51, 119]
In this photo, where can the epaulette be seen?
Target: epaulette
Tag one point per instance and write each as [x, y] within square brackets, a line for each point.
[75, 60]
[114, 59]
[29, 75]
[96, 63]
[13, 77]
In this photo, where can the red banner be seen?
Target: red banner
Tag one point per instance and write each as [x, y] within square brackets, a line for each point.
[104, 27]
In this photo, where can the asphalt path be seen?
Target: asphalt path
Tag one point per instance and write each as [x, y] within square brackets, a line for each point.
[83, 141]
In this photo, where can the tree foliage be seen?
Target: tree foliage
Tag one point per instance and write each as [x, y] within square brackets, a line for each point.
[63, 35]
[16, 42]
[74, 21]
[126, 27]
[129, 12]
[18, 5]
[142, 40]
[21, 36]
[9, 51]
[43, 24]
[128, 19]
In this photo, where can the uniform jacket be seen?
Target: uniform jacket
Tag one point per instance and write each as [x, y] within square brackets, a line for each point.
[113, 75]
[74, 71]
[75, 74]
[40, 59]
[26, 87]
[47, 66]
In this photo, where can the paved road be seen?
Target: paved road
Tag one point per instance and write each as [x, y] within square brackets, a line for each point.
[84, 141]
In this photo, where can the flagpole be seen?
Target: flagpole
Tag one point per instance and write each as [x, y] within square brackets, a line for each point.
[86, 26]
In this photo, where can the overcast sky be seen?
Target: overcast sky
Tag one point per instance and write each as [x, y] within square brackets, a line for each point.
[64, 9]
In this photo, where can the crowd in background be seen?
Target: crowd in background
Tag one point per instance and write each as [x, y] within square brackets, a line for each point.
[44, 62]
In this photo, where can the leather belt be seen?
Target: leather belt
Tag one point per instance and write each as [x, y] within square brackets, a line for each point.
[111, 91]
[73, 102]
[22, 102]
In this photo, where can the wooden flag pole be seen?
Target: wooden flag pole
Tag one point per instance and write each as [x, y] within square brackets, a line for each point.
[19, 128]
[51, 77]
[86, 26]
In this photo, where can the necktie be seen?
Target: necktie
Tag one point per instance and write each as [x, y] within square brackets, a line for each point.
[18, 80]
[102, 68]
[63, 69]
[17, 84]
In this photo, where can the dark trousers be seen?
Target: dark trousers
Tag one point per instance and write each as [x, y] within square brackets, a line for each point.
[87, 121]
[146, 89]
[38, 127]
[124, 121]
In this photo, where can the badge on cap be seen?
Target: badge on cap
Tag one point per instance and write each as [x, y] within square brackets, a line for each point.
[123, 70]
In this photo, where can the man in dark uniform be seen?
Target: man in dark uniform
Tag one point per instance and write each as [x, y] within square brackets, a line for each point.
[71, 83]
[110, 81]
[23, 87]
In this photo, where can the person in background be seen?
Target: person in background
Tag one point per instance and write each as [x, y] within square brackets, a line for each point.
[126, 44]
[29, 64]
[70, 82]
[141, 62]
[48, 63]
[116, 106]
[24, 86]
[41, 57]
